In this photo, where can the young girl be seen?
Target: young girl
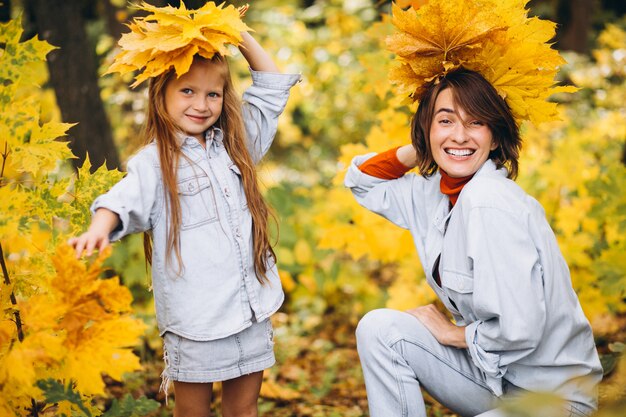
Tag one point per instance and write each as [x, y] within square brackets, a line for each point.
[193, 189]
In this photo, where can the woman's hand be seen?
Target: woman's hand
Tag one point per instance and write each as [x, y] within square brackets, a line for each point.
[97, 237]
[446, 332]
[407, 155]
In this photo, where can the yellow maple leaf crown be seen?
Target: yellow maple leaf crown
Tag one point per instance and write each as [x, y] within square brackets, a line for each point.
[170, 37]
[495, 38]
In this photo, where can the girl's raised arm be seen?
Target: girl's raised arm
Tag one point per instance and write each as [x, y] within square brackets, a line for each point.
[257, 57]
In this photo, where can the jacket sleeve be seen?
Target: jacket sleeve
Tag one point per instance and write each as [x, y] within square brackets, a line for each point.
[263, 102]
[135, 198]
[401, 200]
[508, 295]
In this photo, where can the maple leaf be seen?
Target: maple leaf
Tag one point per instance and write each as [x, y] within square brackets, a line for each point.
[494, 38]
[81, 191]
[416, 4]
[98, 329]
[16, 58]
[436, 38]
[170, 37]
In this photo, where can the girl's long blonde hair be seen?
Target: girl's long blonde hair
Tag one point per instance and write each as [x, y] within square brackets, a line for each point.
[160, 128]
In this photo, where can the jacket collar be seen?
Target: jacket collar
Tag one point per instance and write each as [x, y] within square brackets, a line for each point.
[489, 168]
[443, 211]
[213, 136]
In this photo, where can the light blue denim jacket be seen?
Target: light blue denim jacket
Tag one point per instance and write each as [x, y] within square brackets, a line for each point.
[218, 292]
[502, 275]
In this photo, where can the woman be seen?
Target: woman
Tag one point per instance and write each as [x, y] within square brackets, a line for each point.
[490, 256]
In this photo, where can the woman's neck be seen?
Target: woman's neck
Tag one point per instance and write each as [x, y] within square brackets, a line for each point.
[452, 186]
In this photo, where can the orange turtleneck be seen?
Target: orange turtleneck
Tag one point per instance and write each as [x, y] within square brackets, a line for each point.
[386, 166]
[452, 186]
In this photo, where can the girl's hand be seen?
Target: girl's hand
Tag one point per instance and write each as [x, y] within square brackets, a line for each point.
[89, 241]
[257, 57]
[97, 237]
[446, 332]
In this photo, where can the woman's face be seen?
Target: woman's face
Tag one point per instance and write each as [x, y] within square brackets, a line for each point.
[194, 100]
[460, 144]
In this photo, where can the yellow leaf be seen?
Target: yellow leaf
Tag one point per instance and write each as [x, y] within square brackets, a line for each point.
[308, 281]
[272, 389]
[286, 280]
[302, 252]
[492, 37]
[169, 37]
[416, 4]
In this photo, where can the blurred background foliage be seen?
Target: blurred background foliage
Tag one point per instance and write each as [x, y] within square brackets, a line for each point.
[337, 261]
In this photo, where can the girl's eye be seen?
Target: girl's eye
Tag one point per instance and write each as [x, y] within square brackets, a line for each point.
[187, 91]
[214, 95]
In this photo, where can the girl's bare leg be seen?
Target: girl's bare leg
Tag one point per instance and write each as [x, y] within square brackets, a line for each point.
[240, 395]
[192, 400]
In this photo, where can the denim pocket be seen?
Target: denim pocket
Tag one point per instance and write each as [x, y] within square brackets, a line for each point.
[460, 283]
[197, 201]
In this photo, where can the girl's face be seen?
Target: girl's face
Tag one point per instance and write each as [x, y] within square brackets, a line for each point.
[459, 143]
[194, 100]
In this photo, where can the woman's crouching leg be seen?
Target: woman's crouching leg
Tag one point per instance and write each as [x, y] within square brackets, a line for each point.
[392, 387]
[399, 357]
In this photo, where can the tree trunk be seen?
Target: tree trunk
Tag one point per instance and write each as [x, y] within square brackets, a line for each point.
[5, 10]
[575, 16]
[109, 12]
[74, 77]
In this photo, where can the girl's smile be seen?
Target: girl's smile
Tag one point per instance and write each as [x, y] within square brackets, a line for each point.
[459, 143]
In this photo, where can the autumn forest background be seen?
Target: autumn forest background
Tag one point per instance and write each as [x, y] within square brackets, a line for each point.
[79, 337]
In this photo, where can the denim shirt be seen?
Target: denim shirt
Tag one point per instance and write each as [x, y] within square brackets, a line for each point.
[502, 276]
[218, 293]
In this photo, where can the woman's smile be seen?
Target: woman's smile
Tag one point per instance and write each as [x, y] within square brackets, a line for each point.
[460, 152]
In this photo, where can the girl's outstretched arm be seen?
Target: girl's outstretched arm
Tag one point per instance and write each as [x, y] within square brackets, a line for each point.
[97, 236]
[257, 57]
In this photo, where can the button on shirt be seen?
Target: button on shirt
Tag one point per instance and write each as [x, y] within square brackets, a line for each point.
[217, 292]
[502, 276]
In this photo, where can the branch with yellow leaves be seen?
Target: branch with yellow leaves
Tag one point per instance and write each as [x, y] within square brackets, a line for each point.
[7, 281]
[5, 155]
[5, 271]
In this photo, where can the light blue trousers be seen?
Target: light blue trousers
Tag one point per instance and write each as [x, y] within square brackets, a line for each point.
[400, 356]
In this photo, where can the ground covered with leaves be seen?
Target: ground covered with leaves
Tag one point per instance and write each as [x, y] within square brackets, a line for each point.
[318, 373]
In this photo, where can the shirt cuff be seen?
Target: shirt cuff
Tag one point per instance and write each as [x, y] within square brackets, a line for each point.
[275, 80]
[356, 178]
[122, 228]
[488, 362]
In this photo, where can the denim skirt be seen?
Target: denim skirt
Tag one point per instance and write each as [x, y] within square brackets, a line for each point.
[246, 352]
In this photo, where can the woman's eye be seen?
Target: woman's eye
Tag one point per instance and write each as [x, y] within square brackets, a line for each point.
[477, 123]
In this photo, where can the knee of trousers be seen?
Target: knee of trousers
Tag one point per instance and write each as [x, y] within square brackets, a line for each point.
[377, 328]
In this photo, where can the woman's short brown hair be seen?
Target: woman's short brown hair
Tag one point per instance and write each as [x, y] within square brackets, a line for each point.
[480, 100]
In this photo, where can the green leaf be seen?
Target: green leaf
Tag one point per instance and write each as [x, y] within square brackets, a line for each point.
[609, 362]
[129, 407]
[55, 392]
